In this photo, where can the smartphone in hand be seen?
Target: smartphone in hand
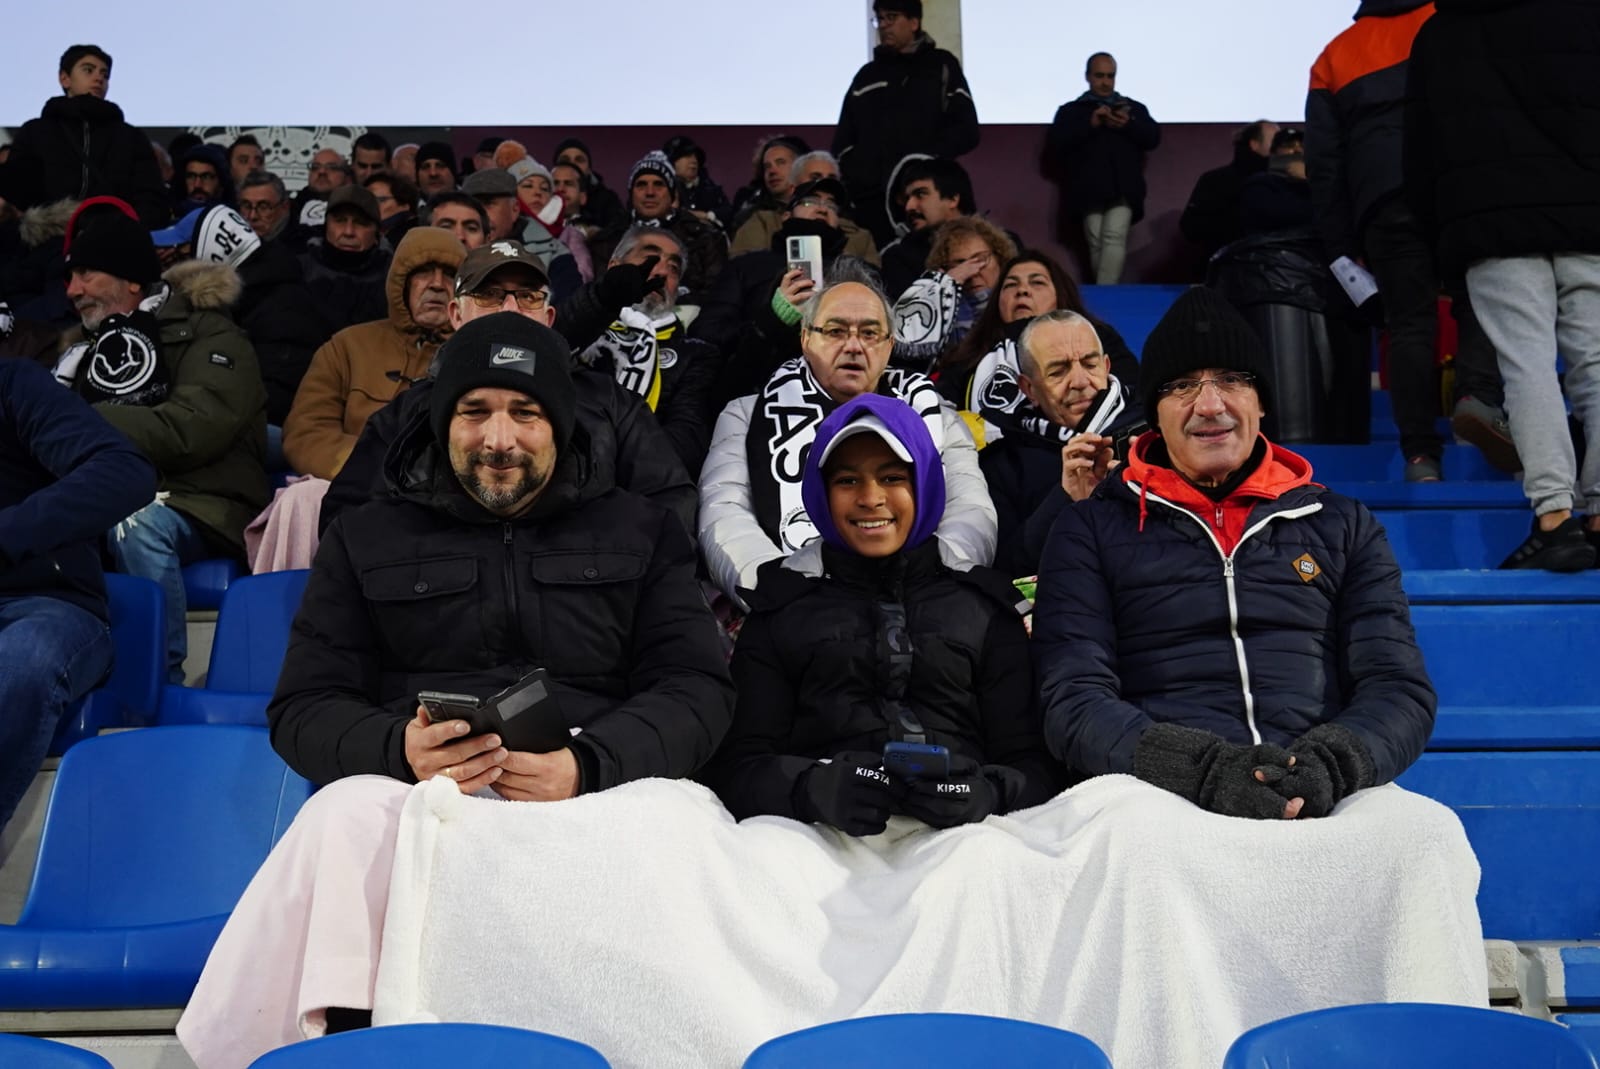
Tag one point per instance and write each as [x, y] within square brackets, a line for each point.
[912, 761]
[804, 254]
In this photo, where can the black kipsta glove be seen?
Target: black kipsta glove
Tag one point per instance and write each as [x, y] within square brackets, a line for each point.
[966, 796]
[851, 792]
[1215, 775]
[1330, 764]
[625, 285]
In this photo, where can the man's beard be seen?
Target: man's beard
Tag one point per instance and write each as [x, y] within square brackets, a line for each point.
[501, 498]
[656, 305]
[93, 315]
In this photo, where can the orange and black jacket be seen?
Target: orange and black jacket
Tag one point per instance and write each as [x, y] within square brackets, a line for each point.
[1355, 119]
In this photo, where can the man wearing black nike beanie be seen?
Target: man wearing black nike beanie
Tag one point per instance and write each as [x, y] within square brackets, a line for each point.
[511, 352]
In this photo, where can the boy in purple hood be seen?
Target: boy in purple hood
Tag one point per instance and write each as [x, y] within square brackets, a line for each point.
[865, 636]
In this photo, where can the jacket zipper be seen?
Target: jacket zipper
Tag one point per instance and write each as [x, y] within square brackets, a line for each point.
[511, 583]
[83, 188]
[1233, 593]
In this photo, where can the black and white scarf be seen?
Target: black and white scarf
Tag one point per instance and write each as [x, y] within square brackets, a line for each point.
[783, 425]
[635, 352]
[121, 364]
[997, 397]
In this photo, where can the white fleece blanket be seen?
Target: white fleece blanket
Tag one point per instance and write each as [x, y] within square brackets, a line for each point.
[643, 920]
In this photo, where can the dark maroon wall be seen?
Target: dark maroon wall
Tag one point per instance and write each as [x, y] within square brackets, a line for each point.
[1006, 173]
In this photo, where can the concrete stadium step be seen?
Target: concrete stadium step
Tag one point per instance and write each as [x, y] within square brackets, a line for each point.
[1382, 462]
[1533, 820]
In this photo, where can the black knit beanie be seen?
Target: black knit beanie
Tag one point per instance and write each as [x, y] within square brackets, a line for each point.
[507, 351]
[1201, 330]
[109, 241]
[438, 150]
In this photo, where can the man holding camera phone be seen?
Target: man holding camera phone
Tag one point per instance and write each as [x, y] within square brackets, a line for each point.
[1098, 142]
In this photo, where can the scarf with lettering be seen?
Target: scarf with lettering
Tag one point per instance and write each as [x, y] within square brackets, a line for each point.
[783, 424]
[635, 350]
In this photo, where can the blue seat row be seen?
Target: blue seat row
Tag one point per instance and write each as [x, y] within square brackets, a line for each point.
[149, 839]
[1423, 1036]
[1382, 462]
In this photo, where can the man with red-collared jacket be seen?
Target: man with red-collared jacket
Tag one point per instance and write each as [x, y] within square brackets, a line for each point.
[1213, 622]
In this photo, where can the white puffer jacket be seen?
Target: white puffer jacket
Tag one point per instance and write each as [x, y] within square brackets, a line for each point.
[735, 546]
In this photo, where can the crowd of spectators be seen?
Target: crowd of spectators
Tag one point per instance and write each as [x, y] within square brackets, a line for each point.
[523, 421]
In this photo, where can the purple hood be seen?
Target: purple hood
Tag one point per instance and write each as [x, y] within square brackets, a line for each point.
[927, 469]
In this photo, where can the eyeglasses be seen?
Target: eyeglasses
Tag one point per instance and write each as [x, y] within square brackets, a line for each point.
[328, 166]
[817, 202]
[494, 297]
[869, 333]
[200, 176]
[258, 207]
[1230, 382]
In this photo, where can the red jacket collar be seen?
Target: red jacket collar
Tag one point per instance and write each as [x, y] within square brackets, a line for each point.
[1279, 472]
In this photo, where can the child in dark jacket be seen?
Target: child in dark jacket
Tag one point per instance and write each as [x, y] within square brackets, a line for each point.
[866, 637]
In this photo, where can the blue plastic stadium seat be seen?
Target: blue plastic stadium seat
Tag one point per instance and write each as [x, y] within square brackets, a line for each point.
[205, 581]
[1133, 310]
[423, 1046]
[246, 653]
[149, 840]
[1410, 1034]
[1585, 1029]
[132, 693]
[26, 1052]
[929, 1041]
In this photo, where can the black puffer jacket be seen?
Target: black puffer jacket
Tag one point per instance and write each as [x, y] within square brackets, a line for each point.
[426, 590]
[282, 321]
[1355, 120]
[1492, 168]
[82, 147]
[901, 103]
[348, 287]
[1140, 620]
[1101, 164]
[627, 448]
[809, 669]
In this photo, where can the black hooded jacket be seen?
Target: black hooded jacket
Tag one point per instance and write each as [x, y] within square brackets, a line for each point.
[809, 667]
[424, 589]
[82, 147]
[898, 104]
[1502, 131]
[1211, 218]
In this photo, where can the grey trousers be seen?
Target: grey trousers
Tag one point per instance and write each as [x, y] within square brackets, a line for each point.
[1107, 235]
[1532, 307]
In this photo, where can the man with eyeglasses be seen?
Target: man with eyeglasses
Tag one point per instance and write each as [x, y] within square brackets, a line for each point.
[328, 171]
[751, 511]
[1063, 421]
[753, 312]
[910, 99]
[264, 203]
[1214, 622]
[625, 443]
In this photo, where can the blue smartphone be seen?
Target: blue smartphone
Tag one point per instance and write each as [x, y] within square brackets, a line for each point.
[911, 761]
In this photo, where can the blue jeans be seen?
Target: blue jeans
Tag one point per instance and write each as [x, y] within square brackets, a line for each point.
[51, 653]
[156, 542]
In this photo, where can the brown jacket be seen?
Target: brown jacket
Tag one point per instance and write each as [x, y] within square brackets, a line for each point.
[364, 367]
[758, 230]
